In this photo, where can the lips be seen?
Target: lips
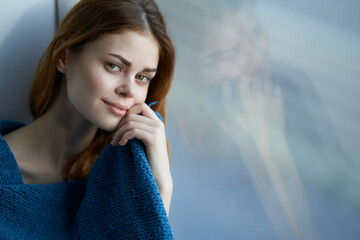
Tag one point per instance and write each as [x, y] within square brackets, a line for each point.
[116, 108]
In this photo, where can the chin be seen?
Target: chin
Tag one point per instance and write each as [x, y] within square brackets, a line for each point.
[108, 125]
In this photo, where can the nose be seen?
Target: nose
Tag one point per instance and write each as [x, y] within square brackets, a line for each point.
[126, 88]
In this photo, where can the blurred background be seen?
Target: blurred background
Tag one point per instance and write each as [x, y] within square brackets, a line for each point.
[263, 116]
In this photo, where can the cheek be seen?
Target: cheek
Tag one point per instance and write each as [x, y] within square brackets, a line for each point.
[94, 81]
[84, 85]
[141, 95]
[95, 85]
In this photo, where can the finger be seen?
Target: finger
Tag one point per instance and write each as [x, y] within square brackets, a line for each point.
[240, 120]
[244, 87]
[144, 110]
[277, 92]
[136, 133]
[226, 93]
[136, 118]
[268, 86]
[255, 85]
[128, 127]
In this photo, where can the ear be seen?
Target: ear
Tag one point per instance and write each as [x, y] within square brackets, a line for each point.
[62, 63]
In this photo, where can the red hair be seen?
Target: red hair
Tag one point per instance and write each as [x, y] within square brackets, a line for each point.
[85, 22]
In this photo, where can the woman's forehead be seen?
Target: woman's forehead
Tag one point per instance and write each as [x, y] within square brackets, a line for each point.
[133, 46]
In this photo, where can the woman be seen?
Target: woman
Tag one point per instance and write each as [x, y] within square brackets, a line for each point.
[108, 60]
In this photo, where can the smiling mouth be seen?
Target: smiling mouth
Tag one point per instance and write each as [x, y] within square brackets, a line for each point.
[117, 110]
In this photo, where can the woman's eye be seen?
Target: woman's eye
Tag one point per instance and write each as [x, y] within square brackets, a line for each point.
[143, 78]
[113, 67]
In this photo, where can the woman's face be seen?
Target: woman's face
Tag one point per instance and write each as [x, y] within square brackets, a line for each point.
[110, 75]
[234, 47]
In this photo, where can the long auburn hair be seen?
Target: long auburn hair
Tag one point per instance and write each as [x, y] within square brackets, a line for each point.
[85, 22]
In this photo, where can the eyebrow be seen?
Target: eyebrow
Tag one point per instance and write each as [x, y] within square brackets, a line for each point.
[128, 64]
[221, 52]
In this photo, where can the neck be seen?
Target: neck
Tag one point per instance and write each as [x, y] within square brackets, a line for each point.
[61, 132]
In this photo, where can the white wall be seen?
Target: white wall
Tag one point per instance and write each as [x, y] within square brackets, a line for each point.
[26, 29]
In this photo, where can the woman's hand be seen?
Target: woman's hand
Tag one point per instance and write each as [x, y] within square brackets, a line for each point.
[142, 123]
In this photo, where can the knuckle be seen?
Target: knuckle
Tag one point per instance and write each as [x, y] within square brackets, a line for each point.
[116, 136]
[129, 116]
[134, 131]
[160, 124]
[132, 110]
[157, 131]
[130, 124]
[153, 138]
[158, 134]
[128, 135]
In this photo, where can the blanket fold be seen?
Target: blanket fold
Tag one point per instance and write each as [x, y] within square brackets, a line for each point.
[118, 200]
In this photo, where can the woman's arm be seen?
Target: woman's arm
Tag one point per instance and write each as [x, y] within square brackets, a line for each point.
[142, 123]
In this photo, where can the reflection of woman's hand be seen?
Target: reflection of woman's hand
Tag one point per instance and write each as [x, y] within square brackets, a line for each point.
[258, 111]
[229, 123]
[142, 123]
